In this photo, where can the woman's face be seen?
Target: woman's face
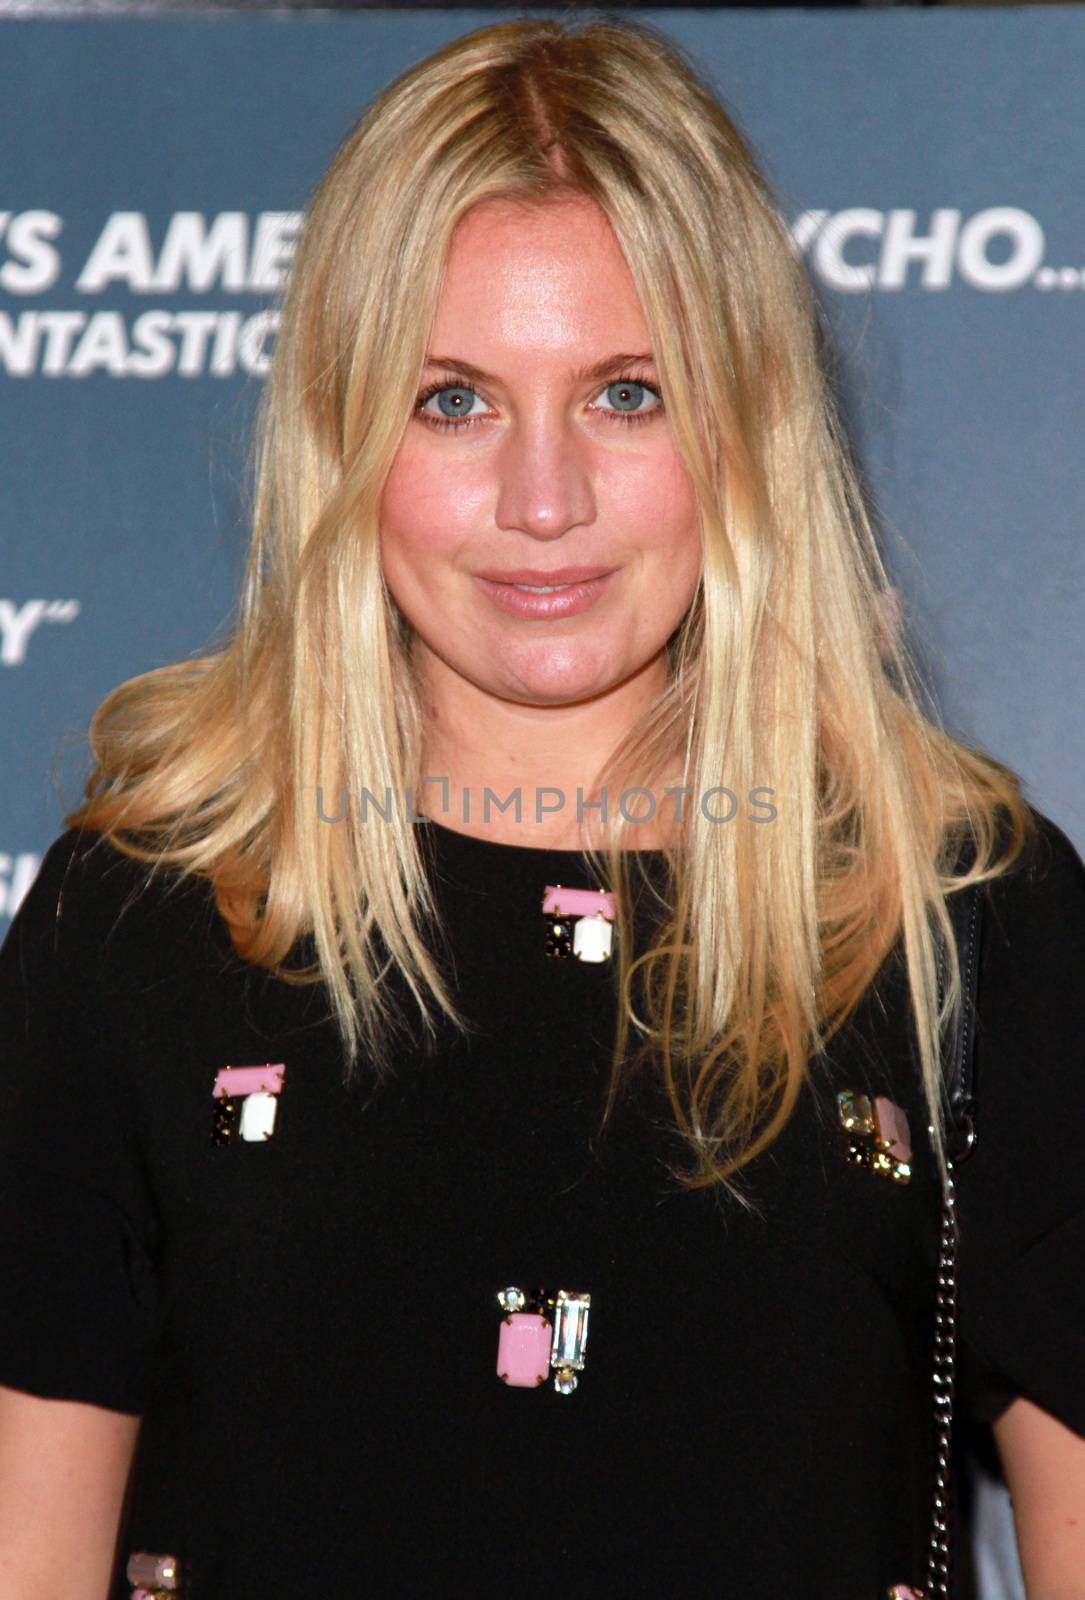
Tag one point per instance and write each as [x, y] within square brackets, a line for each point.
[541, 458]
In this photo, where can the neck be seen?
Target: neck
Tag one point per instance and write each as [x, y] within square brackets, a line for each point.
[479, 750]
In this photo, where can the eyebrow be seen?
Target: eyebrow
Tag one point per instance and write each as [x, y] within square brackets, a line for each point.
[597, 371]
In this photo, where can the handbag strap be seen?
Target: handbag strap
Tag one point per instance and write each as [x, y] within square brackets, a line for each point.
[965, 915]
[959, 1066]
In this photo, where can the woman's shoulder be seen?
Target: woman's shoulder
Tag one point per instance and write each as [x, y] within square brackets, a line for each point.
[1021, 1198]
[1030, 1046]
[1050, 851]
[91, 901]
[1036, 908]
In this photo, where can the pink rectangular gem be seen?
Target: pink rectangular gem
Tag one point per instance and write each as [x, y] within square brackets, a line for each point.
[249, 1080]
[893, 1128]
[523, 1349]
[578, 902]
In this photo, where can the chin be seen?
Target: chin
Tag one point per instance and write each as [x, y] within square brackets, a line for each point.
[556, 694]
[555, 679]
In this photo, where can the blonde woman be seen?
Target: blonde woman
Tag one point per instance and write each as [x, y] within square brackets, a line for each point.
[475, 950]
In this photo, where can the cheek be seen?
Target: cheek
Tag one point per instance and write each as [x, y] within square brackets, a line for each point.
[657, 508]
[428, 510]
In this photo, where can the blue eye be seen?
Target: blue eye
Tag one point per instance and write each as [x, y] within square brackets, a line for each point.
[626, 394]
[454, 398]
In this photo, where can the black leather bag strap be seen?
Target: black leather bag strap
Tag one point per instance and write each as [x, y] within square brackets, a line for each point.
[959, 1056]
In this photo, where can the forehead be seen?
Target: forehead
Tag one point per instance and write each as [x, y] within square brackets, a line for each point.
[537, 278]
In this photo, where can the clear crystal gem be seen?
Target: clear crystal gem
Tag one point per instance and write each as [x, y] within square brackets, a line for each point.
[565, 1380]
[570, 1339]
[511, 1299]
[856, 1112]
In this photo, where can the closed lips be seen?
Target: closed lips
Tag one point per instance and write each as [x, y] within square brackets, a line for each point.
[544, 596]
[560, 578]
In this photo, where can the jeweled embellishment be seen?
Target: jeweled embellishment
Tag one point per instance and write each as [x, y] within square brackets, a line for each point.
[593, 938]
[550, 1336]
[523, 1350]
[903, 1591]
[523, 1345]
[246, 1103]
[225, 1120]
[856, 1112]
[579, 923]
[152, 1575]
[876, 1134]
[559, 936]
[257, 1116]
[570, 1341]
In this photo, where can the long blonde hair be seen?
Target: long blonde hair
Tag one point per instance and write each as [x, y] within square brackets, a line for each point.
[782, 673]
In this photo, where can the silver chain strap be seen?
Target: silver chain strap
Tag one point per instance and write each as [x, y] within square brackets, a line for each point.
[940, 1546]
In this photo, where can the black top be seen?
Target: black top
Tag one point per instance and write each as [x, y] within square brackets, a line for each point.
[309, 1326]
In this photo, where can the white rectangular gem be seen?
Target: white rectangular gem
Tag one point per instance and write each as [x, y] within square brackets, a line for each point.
[592, 938]
[258, 1115]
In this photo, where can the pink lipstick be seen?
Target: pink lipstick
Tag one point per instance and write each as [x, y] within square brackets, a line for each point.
[559, 592]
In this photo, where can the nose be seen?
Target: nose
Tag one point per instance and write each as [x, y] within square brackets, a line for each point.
[544, 480]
